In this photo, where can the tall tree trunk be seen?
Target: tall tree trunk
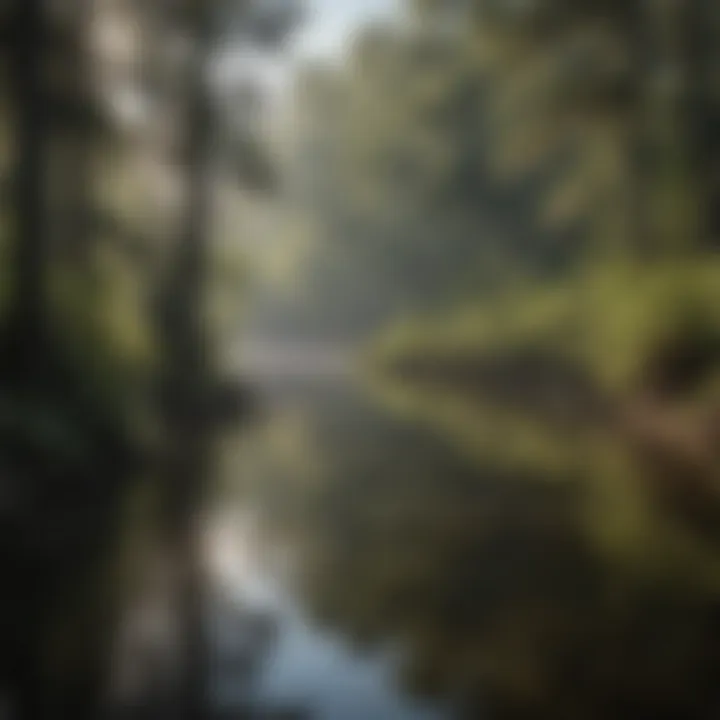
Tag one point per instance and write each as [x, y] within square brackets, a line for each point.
[188, 370]
[77, 137]
[638, 143]
[698, 110]
[28, 316]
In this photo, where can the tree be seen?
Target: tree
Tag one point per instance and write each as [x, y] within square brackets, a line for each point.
[190, 360]
[390, 174]
[76, 396]
[29, 27]
[611, 87]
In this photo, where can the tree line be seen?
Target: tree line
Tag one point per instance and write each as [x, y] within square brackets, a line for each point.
[476, 146]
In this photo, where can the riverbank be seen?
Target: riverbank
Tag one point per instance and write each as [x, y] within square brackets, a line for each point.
[629, 348]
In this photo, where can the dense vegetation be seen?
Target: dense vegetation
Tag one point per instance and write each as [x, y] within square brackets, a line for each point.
[515, 183]
[109, 362]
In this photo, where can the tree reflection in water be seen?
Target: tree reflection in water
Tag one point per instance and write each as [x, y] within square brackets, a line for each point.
[515, 590]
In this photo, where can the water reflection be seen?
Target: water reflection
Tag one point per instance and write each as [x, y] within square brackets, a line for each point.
[558, 587]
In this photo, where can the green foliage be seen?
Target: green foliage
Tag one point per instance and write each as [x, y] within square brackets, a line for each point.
[640, 317]
[620, 323]
[101, 116]
[389, 167]
[488, 141]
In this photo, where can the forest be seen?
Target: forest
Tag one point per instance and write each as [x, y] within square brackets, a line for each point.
[495, 194]
[114, 137]
[512, 208]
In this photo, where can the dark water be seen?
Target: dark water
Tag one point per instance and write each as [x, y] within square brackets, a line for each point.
[434, 564]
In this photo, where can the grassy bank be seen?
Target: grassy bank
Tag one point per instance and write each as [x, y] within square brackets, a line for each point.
[639, 346]
[622, 329]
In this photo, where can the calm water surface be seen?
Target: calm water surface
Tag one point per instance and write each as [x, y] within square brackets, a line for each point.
[463, 565]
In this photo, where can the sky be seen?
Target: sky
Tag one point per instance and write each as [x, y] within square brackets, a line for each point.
[326, 32]
[331, 23]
